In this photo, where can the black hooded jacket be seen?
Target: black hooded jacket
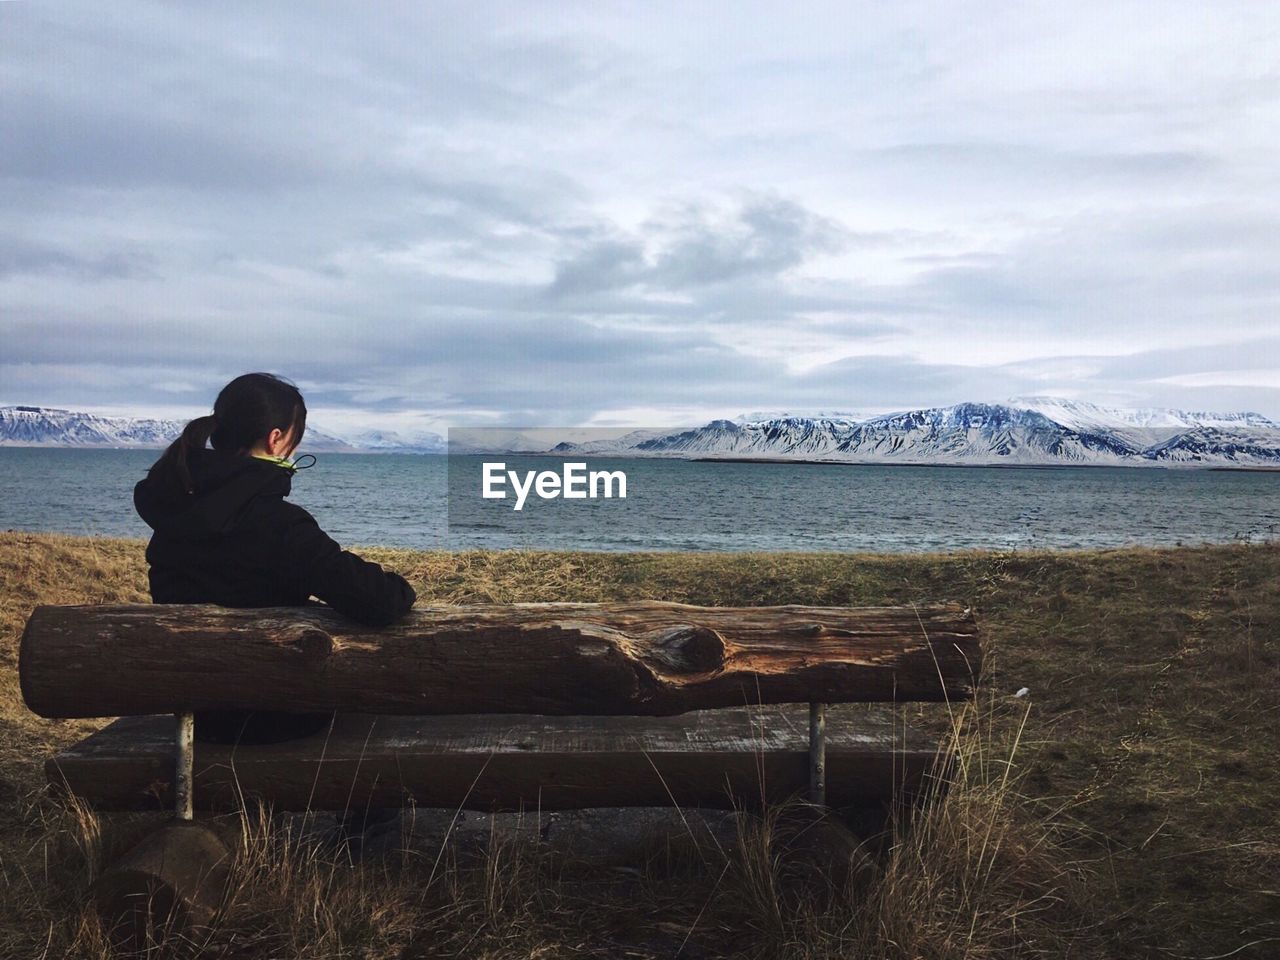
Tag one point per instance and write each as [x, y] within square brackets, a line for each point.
[237, 542]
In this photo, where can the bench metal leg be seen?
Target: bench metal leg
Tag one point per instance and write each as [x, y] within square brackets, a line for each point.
[184, 766]
[172, 884]
[818, 754]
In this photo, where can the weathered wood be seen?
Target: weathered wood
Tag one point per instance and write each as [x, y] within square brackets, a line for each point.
[643, 658]
[166, 890]
[717, 759]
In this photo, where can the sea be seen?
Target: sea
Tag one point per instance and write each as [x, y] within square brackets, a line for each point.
[435, 502]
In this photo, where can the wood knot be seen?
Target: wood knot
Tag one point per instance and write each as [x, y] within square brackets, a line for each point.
[823, 631]
[688, 648]
[314, 644]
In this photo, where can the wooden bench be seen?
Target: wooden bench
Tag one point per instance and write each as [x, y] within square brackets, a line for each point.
[495, 707]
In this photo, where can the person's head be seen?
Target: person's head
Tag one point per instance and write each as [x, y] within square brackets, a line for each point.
[257, 413]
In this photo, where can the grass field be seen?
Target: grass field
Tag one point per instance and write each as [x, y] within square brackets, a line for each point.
[1140, 816]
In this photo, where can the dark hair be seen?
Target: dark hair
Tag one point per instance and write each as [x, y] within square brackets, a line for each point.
[246, 411]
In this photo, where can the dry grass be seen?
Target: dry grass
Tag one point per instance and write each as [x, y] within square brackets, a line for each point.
[974, 876]
[1126, 808]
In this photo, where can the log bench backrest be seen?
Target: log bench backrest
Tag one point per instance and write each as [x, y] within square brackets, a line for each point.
[641, 658]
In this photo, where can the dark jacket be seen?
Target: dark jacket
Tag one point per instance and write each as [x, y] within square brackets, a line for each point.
[237, 542]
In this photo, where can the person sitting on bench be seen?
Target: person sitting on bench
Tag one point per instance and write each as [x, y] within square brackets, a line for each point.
[224, 533]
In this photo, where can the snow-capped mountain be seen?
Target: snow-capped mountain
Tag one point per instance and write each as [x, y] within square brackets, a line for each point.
[967, 432]
[47, 426]
[479, 440]
[1142, 427]
[981, 432]
[854, 416]
[623, 444]
[392, 441]
[1206, 444]
[800, 437]
[1034, 431]
[22, 426]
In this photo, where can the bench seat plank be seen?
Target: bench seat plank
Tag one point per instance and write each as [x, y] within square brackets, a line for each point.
[715, 758]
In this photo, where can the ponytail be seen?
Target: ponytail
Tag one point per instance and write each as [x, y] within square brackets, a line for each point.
[176, 459]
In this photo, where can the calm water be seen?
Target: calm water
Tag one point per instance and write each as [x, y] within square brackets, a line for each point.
[684, 505]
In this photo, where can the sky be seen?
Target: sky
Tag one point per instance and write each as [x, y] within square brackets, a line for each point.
[639, 214]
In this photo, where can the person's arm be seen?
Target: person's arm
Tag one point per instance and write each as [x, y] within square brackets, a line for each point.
[354, 587]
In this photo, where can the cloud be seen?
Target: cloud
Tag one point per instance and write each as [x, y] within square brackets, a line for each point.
[696, 246]
[764, 238]
[19, 256]
[472, 212]
[607, 264]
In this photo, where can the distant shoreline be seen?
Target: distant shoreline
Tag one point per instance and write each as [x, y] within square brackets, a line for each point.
[1152, 465]
[958, 466]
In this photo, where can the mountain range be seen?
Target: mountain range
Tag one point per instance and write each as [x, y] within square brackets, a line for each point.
[1023, 431]
[23, 426]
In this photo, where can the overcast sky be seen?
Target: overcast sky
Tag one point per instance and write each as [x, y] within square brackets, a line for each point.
[649, 213]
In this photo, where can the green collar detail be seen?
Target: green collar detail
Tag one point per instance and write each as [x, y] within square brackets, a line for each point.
[278, 461]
